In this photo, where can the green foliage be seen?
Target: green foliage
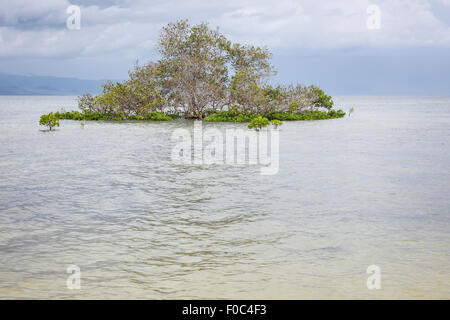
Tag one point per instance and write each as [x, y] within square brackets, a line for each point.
[308, 115]
[231, 115]
[50, 120]
[87, 115]
[157, 116]
[194, 61]
[323, 100]
[276, 123]
[91, 116]
[273, 94]
[154, 116]
[258, 123]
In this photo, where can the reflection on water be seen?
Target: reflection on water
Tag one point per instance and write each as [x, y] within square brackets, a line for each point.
[368, 189]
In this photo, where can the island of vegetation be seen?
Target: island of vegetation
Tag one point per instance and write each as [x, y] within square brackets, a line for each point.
[202, 75]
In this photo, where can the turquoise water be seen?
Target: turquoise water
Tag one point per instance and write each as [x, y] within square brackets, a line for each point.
[369, 189]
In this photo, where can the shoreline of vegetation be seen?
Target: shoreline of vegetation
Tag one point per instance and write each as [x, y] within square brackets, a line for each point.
[227, 116]
[204, 76]
[217, 116]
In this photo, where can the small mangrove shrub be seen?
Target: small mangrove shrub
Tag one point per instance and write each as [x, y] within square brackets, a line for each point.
[276, 123]
[50, 120]
[258, 123]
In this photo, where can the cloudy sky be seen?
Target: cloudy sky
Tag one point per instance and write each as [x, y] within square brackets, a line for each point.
[325, 42]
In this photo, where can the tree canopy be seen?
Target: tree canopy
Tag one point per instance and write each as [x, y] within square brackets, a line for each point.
[201, 72]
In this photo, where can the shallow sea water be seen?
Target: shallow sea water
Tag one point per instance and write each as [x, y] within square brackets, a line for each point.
[369, 189]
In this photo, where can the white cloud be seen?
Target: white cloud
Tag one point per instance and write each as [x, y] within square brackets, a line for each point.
[336, 24]
[44, 11]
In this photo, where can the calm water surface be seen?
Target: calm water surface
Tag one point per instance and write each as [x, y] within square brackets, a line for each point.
[370, 189]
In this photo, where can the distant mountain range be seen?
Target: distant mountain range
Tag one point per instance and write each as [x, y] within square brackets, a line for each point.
[45, 85]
